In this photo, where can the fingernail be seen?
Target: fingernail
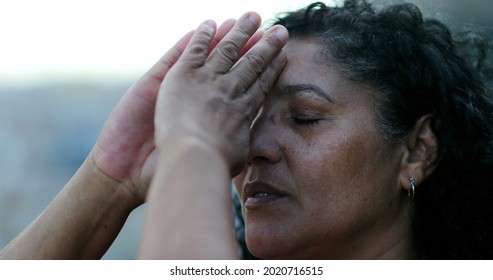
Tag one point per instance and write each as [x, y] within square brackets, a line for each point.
[254, 17]
[209, 26]
[281, 33]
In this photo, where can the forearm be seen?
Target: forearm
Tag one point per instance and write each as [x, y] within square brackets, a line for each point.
[80, 223]
[189, 206]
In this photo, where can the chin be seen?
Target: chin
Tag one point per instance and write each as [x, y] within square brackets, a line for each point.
[265, 244]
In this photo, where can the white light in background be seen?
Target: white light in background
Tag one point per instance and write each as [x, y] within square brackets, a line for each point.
[57, 40]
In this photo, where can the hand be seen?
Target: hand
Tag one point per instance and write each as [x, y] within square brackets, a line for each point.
[213, 97]
[125, 151]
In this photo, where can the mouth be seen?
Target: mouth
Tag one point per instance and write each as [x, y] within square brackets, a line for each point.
[258, 194]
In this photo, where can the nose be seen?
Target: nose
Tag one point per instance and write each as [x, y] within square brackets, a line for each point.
[264, 141]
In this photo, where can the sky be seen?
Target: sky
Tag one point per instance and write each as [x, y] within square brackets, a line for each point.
[45, 41]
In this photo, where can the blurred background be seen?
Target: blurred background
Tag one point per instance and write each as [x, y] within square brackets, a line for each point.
[65, 64]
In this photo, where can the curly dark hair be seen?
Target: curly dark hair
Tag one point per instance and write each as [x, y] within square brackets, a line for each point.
[475, 44]
[413, 65]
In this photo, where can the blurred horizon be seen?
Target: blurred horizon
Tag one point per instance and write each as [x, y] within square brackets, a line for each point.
[54, 41]
[111, 41]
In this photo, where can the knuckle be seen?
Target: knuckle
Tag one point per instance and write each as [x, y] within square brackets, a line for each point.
[244, 35]
[198, 49]
[255, 63]
[201, 44]
[229, 50]
[273, 43]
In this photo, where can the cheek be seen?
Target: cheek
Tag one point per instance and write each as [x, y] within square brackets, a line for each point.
[337, 172]
[328, 166]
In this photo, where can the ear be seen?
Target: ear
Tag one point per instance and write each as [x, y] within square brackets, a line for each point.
[421, 155]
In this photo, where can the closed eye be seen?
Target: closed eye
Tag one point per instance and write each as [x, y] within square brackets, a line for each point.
[299, 121]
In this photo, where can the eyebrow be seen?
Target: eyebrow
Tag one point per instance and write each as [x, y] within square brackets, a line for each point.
[311, 88]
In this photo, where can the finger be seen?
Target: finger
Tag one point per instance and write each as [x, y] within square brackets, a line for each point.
[159, 70]
[255, 95]
[252, 41]
[222, 30]
[196, 52]
[258, 58]
[227, 51]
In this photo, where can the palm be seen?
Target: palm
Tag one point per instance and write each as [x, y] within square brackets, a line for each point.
[125, 148]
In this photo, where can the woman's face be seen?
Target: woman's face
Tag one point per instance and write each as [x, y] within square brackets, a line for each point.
[321, 179]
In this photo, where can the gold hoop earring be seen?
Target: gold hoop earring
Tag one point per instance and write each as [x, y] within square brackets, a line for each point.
[412, 191]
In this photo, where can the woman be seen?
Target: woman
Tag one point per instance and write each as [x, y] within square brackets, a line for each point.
[375, 142]
[369, 139]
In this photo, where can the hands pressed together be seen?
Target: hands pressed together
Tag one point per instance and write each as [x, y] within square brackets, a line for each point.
[213, 97]
[174, 140]
[204, 92]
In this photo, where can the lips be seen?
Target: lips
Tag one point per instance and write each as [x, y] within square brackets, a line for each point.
[260, 194]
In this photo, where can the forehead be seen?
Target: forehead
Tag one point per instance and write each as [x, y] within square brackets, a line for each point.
[308, 64]
[304, 55]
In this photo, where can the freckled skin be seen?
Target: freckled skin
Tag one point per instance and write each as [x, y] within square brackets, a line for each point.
[340, 174]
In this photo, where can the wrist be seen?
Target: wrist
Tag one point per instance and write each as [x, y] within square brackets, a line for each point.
[190, 193]
[81, 222]
[175, 147]
[105, 189]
